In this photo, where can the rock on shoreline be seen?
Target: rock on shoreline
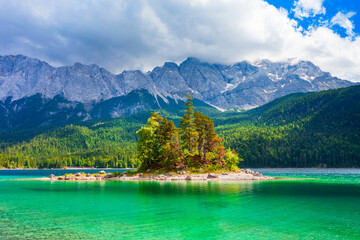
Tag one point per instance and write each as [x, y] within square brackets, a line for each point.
[242, 175]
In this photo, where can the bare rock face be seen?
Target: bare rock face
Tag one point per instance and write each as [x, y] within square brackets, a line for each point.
[102, 172]
[78, 174]
[188, 178]
[52, 176]
[241, 85]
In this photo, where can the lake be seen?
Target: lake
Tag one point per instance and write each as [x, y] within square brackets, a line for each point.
[317, 204]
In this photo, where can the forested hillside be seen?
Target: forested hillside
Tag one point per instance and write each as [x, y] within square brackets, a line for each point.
[298, 130]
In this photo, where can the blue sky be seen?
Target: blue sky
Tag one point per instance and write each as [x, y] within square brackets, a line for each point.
[329, 9]
[141, 34]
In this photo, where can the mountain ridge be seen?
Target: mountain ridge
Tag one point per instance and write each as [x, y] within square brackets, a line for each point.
[38, 111]
[240, 85]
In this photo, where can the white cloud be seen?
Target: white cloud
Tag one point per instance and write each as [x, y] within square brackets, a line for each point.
[343, 20]
[308, 8]
[140, 34]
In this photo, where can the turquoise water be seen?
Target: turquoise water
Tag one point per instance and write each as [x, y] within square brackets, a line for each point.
[318, 204]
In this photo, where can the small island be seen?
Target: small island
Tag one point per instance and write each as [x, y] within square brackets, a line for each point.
[191, 152]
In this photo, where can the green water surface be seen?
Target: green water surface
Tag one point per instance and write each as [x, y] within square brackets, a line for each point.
[316, 205]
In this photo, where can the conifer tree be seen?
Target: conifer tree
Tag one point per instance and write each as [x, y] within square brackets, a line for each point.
[168, 138]
[160, 146]
[188, 133]
[200, 127]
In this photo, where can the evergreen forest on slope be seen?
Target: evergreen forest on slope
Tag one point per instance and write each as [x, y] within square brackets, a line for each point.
[298, 130]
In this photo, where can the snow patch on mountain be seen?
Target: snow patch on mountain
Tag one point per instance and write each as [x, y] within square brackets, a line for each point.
[240, 85]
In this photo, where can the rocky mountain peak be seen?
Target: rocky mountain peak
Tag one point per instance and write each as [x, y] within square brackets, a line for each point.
[240, 85]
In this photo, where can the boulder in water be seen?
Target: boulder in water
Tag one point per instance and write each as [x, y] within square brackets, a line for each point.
[212, 175]
[109, 175]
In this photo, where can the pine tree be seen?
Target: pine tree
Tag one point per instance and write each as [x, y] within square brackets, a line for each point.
[160, 146]
[168, 138]
[200, 127]
[188, 133]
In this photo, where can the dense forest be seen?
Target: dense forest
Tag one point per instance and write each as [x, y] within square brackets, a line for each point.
[298, 130]
[103, 144]
[193, 146]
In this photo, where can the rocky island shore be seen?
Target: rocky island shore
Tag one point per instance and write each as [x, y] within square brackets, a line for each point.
[240, 175]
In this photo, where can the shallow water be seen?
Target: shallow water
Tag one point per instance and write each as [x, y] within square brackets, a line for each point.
[318, 204]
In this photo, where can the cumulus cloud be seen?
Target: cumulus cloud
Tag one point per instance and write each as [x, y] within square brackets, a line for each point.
[343, 20]
[308, 8]
[142, 34]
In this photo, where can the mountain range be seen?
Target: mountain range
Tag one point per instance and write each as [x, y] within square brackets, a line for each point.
[30, 88]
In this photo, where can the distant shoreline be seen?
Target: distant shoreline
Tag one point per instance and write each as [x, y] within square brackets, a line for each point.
[66, 169]
[135, 168]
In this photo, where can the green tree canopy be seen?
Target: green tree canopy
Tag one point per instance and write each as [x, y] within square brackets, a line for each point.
[194, 145]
